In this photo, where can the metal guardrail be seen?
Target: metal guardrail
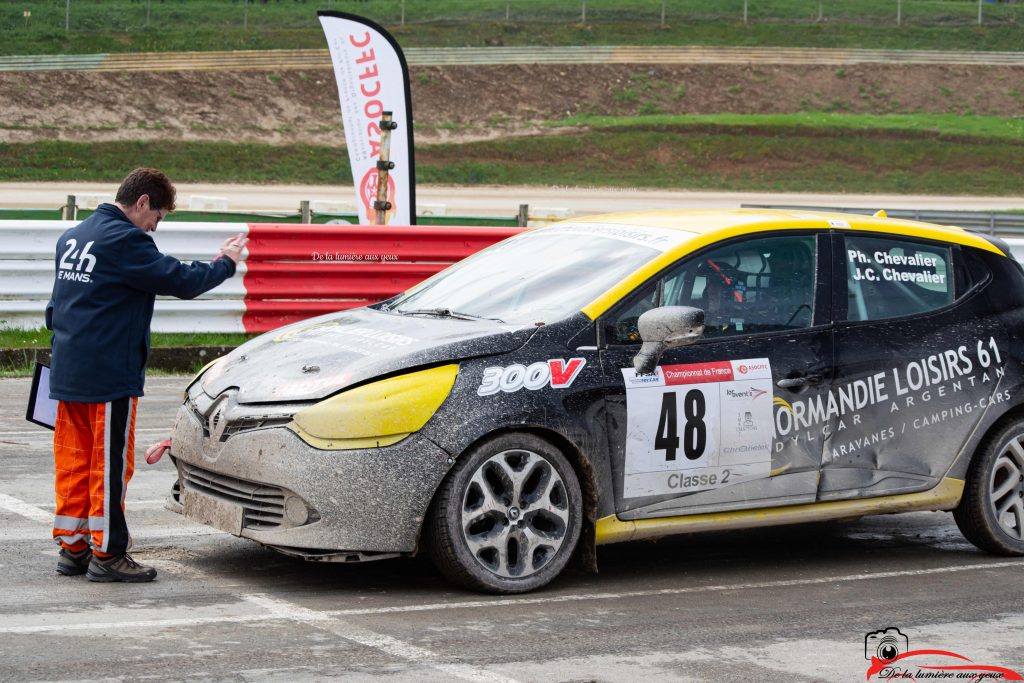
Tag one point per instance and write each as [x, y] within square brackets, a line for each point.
[27, 251]
[989, 222]
[248, 60]
[291, 272]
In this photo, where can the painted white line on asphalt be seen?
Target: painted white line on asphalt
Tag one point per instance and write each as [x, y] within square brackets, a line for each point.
[132, 625]
[378, 641]
[151, 504]
[472, 604]
[148, 504]
[140, 534]
[20, 507]
[37, 514]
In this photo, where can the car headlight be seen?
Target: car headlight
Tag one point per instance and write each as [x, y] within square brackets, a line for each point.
[377, 414]
[198, 375]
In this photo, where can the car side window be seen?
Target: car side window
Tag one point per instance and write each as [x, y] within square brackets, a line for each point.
[890, 277]
[756, 285]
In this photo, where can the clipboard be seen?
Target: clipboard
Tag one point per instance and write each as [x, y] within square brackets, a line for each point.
[42, 410]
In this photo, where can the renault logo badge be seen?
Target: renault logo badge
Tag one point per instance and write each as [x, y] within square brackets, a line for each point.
[217, 422]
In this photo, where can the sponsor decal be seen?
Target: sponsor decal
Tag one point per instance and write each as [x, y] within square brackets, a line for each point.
[334, 329]
[697, 373]
[306, 330]
[697, 427]
[891, 658]
[661, 239]
[554, 373]
[751, 393]
[753, 369]
[934, 379]
[656, 378]
[380, 336]
[304, 387]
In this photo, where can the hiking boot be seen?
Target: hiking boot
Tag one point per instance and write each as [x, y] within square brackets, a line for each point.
[73, 564]
[119, 568]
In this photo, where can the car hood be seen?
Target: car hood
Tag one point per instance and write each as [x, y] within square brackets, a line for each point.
[315, 358]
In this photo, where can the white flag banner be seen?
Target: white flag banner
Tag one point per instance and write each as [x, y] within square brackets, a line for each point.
[373, 78]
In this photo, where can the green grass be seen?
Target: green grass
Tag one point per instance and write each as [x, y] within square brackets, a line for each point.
[11, 338]
[17, 371]
[800, 152]
[745, 160]
[182, 25]
[167, 339]
[981, 127]
[27, 370]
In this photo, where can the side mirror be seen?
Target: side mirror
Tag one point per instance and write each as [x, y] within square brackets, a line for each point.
[666, 328]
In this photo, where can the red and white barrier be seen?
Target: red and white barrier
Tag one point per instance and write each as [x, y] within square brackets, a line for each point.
[290, 272]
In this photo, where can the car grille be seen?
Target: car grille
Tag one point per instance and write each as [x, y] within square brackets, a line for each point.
[236, 426]
[250, 424]
[263, 506]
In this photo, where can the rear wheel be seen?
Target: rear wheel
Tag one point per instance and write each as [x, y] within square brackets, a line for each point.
[991, 512]
[507, 518]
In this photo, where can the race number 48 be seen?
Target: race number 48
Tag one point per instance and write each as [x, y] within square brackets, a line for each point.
[695, 430]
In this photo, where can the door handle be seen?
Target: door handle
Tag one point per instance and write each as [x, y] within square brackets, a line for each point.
[793, 382]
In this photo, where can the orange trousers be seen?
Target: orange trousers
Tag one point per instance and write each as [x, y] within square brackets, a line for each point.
[94, 457]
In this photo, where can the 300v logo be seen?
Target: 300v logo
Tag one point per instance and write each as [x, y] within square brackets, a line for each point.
[555, 373]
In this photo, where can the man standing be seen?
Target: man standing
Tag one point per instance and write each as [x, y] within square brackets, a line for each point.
[108, 273]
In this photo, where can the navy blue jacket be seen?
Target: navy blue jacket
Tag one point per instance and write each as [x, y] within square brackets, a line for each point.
[108, 274]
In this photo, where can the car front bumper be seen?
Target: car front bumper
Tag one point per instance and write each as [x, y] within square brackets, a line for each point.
[269, 486]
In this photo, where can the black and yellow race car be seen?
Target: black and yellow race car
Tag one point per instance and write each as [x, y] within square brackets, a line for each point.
[625, 377]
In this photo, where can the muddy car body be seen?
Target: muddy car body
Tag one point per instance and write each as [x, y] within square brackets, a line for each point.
[625, 377]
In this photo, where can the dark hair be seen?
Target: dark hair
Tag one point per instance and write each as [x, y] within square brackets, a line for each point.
[147, 181]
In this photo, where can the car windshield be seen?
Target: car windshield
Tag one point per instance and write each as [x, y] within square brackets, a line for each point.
[539, 276]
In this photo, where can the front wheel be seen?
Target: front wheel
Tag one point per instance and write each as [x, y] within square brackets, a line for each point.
[507, 518]
[991, 512]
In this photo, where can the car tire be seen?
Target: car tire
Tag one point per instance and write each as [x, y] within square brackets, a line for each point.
[991, 512]
[507, 517]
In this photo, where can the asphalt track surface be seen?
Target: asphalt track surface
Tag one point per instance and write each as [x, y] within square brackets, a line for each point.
[789, 604]
[504, 200]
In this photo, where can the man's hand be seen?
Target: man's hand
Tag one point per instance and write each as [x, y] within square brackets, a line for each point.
[233, 246]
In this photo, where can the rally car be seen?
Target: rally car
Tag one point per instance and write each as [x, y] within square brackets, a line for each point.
[624, 377]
